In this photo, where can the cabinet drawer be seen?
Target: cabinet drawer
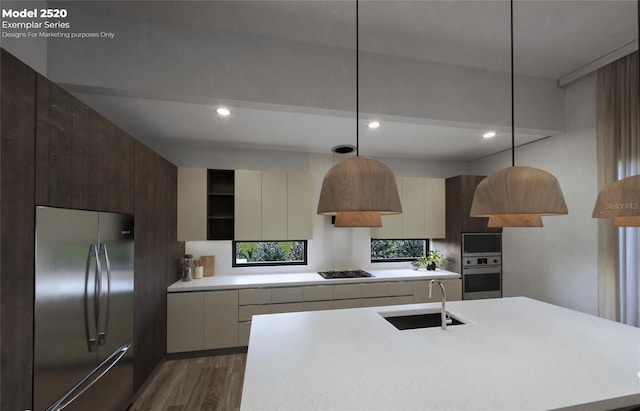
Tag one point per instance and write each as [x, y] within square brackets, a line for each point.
[373, 302]
[346, 291]
[286, 295]
[397, 300]
[373, 290]
[453, 289]
[400, 288]
[316, 305]
[317, 293]
[286, 308]
[245, 312]
[421, 291]
[254, 296]
[243, 333]
[353, 303]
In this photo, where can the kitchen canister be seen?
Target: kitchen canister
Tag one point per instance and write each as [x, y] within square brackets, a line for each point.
[198, 271]
[187, 272]
[186, 266]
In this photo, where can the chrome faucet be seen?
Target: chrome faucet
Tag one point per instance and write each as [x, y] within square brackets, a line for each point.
[443, 312]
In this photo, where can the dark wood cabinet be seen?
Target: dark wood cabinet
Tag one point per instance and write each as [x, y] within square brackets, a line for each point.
[83, 160]
[156, 257]
[458, 198]
[58, 152]
[17, 227]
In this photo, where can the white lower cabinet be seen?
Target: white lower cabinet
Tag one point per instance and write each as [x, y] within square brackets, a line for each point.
[351, 303]
[185, 322]
[286, 308]
[286, 295]
[346, 291]
[245, 312]
[317, 293]
[244, 329]
[202, 320]
[220, 319]
[453, 289]
[400, 299]
[317, 305]
[373, 301]
[400, 288]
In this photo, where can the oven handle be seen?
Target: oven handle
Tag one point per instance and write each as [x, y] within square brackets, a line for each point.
[485, 269]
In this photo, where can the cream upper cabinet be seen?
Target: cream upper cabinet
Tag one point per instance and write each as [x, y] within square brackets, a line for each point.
[413, 207]
[272, 205]
[391, 224]
[423, 210]
[300, 209]
[248, 205]
[434, 208]
[192, 204]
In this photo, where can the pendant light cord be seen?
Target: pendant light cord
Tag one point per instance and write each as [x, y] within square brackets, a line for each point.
[513, 122]
[358, 81]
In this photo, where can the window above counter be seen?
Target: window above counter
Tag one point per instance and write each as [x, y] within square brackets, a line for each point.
[268, 253]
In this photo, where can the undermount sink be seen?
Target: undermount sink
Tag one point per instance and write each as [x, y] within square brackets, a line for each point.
[414, 319]
[411, 322]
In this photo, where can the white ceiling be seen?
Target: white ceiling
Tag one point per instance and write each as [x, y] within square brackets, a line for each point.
[552, 38]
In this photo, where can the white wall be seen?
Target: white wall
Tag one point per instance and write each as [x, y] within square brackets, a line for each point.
[558, 263]
[330, 248]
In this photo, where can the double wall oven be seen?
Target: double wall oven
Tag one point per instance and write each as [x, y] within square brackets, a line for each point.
[481, 265]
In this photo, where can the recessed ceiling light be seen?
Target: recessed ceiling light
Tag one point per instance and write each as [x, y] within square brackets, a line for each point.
[489, 134]
[223, 111]
[374, 124]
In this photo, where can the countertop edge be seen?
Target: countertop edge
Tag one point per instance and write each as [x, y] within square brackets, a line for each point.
[233, 282]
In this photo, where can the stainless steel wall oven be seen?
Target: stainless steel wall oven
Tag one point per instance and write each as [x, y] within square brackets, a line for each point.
[481, 265]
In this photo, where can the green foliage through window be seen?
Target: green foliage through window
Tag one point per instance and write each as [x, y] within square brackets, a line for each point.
[397, 250]
[269, 253]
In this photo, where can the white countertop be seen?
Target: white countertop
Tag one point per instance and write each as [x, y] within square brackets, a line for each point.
[520, 354]
[226, 282]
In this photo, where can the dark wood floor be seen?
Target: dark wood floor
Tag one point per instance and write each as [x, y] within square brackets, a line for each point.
[205, 383]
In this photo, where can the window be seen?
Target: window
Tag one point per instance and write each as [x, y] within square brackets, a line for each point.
[397, 250]
[260, 253]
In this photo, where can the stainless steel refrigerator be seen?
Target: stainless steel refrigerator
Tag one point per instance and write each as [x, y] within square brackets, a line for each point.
[83, 321]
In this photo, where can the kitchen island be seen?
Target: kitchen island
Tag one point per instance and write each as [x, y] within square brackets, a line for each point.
[512, 354]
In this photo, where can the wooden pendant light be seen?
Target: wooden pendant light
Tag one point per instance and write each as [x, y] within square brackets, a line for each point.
[517, 196]
[358, 219]
[621, 202]
[359, 185]
[358, 190]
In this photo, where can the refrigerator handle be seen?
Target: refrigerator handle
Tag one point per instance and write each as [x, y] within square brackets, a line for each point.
[90, 333]
[90, 379]
[102, 331]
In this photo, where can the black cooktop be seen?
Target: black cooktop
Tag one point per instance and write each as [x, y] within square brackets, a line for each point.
[344, 274]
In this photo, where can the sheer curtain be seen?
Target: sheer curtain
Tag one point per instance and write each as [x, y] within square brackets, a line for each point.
[618, 157]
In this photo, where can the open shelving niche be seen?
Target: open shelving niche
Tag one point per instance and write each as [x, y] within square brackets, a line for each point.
[220, 204]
